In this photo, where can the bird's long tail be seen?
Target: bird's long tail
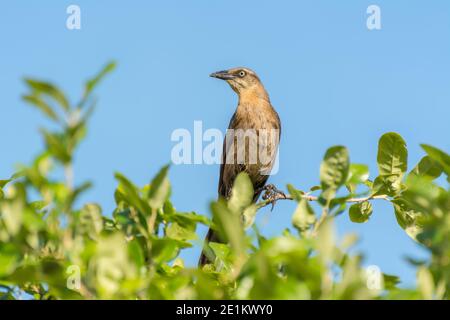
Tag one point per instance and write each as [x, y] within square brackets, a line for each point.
[212, 236]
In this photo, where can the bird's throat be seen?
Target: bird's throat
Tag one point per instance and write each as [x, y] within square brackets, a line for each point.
[254, 96]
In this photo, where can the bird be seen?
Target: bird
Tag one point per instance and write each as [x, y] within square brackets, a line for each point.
[256, 119]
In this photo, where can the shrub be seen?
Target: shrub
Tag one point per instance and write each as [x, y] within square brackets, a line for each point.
[54, 248]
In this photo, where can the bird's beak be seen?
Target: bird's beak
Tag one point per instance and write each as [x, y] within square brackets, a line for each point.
[223, 75]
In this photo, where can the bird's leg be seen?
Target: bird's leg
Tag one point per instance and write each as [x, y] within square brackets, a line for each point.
[272, 194]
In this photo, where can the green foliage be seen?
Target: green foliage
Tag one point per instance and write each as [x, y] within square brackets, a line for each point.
[360, 212]
[440, 157]
[334, 171]
[304, 216]
[358, 174]
[54, 247]
[392, 164]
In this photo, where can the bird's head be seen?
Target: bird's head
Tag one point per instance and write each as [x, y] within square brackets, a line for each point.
[241, 80]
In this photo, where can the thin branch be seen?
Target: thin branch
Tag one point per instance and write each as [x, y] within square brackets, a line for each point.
[69, 175]
[322, 218]
[280, 196]
[151, 222]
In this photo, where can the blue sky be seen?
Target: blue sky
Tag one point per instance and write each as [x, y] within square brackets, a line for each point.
[331, 80]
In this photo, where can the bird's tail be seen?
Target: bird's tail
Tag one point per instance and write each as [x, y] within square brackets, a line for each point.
[212, 236]
[206, 255]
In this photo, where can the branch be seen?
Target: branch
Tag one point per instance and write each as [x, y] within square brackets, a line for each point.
[281, 196]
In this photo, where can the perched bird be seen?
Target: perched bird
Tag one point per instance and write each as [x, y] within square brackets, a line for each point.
[252, 138]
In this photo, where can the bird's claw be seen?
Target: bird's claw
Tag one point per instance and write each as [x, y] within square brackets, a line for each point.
[272, 195]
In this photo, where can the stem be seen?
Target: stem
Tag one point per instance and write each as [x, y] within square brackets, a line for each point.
[281, 196]
[85, 292]
[315, 198]
[319, 222]
[151, 230]
[151, 221]
[68, 172]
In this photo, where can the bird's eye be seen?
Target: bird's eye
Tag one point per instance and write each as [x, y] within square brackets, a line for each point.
[242, 73]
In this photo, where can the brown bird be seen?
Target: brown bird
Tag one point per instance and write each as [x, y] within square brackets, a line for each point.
[252, 139]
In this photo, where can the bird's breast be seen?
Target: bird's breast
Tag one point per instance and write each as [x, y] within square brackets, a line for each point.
[252, 140]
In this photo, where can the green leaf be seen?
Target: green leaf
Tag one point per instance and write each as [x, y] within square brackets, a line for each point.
[229, 225]
[390, 282]
[358, 174]
[93, 82]
[303, 216]
[33, 221]
[12, 212]
[440, 156]
[428, 167]
[110, 265]
[186, 218]
[407, 217]
[249, 215]
[164, 250]
[57, 146]
[79, 190]
[182, 233]
[392, 162]
[326, 239]
[159, 189]
[426, 196]
[128, 192]
[338, 205]
[9, 258]
[334, 171]
[76, 133]
[388, 185]
[3, 183]
[50, 90]
[241, 194]
[90, 221]
[296, 194]
[41, 105]
[136, 254]
[38, 205]
[221, 251]
[392, 155]
[360, 212]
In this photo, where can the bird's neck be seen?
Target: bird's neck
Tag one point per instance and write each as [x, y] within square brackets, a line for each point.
[254, 96]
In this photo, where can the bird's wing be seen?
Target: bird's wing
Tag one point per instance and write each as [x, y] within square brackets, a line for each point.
[223, 186]
[262, 179]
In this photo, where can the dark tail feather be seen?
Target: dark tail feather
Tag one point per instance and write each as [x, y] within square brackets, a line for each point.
[211, 236]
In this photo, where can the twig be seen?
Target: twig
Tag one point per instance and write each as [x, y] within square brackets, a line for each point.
[68, 172]
[319, 222]
[308, 197]
[272, 195]
[151, 222]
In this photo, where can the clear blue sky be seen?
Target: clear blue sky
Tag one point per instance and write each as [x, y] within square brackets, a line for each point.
[331, 80]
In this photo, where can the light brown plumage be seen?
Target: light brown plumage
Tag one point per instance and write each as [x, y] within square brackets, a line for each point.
[260, 125]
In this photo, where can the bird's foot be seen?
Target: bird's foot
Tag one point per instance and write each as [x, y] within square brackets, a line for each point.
[272, 194]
